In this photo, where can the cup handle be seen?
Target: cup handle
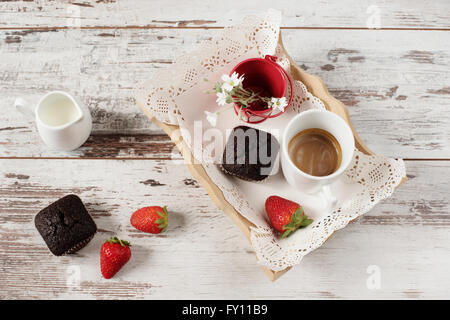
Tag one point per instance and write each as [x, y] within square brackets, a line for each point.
[24, 108]
[327, 196]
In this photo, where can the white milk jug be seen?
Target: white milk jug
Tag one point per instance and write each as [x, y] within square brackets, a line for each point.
[63, 123]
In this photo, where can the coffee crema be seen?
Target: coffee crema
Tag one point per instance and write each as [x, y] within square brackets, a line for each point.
[315, 152]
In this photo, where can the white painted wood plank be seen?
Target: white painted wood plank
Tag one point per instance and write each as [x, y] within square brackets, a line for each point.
[395, 83]
[203, 255]
[215, 13]
[396, 92]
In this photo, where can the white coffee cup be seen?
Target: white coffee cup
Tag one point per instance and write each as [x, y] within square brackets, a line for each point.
[63, 123]
[332, 123]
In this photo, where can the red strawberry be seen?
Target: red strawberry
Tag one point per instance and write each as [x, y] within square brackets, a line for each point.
[286, 216]
[150, 219]
[114, 254]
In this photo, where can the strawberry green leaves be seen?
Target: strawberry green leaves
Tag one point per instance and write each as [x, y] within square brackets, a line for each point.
[298, 220]
[163, 222]
[123, 243]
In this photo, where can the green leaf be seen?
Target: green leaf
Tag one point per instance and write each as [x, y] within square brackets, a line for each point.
[298, 220]
[114, 240]
[286, 233]
[161, 214]
[163, 222]
[296, 217]
[290, 225]
[306, 222]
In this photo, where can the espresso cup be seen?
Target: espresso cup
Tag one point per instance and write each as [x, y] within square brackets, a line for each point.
[332, 123]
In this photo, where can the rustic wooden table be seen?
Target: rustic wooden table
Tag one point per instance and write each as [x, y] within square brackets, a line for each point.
[395, 81]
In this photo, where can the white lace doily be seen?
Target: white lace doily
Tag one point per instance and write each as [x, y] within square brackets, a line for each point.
[177, 96]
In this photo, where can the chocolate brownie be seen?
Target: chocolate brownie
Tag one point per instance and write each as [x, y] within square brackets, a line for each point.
[249, 153]
[65, 225]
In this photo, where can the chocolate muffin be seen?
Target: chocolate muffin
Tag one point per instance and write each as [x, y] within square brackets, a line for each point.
[250, 153]
[65, 225]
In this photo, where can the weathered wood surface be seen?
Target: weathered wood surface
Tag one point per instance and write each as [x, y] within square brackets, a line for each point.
[403, 74]
[395, 83]
[199, 13]
[203, 254]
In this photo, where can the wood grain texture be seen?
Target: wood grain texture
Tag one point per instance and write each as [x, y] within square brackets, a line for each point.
[379, 74]
[98, 146]
[403, 74]
[406, 237]
[214, 13]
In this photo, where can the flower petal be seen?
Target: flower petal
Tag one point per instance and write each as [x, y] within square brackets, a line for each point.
[240, 79]
[227, 87]
[225, 78]
[235, 77]
[221, 98]
[211, 117]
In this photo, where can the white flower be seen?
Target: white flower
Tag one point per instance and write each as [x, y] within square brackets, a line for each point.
[230, 82]
[279, 103]
[221, 98]
[212, 117]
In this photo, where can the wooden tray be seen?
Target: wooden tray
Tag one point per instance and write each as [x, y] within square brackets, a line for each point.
[317, 87]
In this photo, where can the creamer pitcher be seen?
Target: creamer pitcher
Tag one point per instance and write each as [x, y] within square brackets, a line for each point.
[63, 123]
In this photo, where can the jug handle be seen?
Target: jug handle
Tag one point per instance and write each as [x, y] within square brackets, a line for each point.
[24, 108]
